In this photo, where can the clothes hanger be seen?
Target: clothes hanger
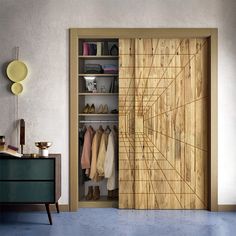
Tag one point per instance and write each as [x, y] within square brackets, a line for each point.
[82, 128]
[91, 127]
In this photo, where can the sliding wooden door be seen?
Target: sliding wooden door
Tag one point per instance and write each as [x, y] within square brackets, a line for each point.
[164, 142]
[126, 123]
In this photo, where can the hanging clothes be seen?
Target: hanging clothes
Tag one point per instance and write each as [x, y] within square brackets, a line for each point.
[82, 176]
[82, 132]
[95, 149]
[87, 151]
[110, 163]
[102, 152]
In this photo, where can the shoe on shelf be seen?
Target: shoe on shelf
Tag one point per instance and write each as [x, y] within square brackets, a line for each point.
[92, 109]
[86, 108]
[105, 109]
[89, 196]
[96, 193]
[115, 111]
[100, 109]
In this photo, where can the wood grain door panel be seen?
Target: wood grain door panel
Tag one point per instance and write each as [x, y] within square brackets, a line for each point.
[126, 124]
[164, 123]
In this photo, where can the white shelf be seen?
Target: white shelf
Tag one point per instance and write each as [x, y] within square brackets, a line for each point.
[99, 75]
[99, 57]
[97, 115]
[98, 94]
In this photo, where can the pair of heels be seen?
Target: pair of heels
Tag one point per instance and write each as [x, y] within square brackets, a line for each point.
[89, 109]
[103, 109]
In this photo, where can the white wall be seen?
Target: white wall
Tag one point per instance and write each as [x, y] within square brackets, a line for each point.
[40, 28]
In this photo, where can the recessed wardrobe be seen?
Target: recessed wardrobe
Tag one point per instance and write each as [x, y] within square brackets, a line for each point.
[140, 107]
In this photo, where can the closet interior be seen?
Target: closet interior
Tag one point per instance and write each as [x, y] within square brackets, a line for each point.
[98, 119]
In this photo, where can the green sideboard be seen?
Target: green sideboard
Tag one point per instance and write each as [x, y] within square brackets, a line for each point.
[28, 180]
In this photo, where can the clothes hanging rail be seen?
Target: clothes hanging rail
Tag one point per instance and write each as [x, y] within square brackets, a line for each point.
[99, 121]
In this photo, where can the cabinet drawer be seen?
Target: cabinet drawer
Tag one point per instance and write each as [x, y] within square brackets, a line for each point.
[26, 169]
[26, 192]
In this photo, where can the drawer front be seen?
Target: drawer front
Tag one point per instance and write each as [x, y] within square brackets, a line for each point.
[26, 192]
[26, 169]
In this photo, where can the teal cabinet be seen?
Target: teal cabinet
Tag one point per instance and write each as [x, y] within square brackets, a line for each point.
[30, 180]
[27, 169]
[30, 192]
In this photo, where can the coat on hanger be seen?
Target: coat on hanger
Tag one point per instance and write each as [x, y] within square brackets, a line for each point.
[95, 149]
[110, 163]
[86, 152]
[102, 152]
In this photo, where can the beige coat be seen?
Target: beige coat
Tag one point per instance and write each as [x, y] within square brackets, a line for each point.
[110, 163]
[102, 153]
[87, 151]
[95, 148]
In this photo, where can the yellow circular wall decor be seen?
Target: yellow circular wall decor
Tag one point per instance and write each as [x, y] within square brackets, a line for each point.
[17, 88]
[17, 71]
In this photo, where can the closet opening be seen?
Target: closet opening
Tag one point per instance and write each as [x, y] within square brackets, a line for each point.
[98, 122]
[158, 87]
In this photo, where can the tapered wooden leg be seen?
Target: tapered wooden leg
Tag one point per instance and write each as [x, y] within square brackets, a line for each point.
[57, 206]
[49, 213]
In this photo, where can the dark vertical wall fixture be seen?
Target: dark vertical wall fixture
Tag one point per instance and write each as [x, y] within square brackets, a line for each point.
[22, 134]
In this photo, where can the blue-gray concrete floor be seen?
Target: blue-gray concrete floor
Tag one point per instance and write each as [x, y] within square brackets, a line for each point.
[114, 222]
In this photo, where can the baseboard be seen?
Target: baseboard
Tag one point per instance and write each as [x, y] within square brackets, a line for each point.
[33, 207]
[65, 207]
[226, 207]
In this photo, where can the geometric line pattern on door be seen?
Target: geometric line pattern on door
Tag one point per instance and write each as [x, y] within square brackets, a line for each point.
[164, 82]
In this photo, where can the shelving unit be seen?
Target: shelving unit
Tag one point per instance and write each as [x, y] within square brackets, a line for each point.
[101, 96]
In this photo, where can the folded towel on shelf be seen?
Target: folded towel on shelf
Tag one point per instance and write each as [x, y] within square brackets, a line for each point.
[93, 68]
[110, 69]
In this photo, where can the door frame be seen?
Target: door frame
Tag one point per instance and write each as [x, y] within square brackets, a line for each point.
[75, 33]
